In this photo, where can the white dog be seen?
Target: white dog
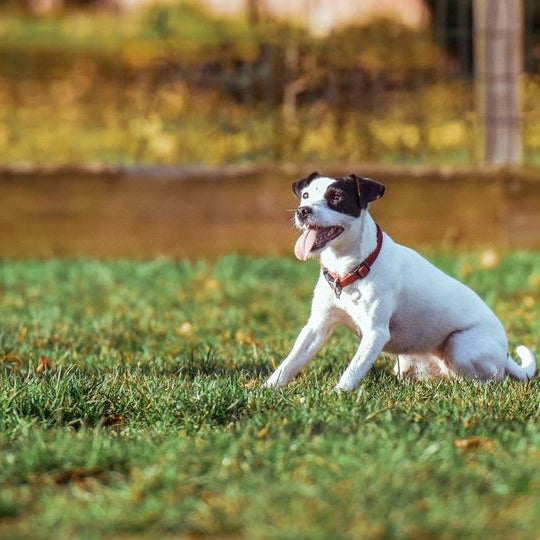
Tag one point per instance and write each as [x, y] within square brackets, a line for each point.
[390, 295]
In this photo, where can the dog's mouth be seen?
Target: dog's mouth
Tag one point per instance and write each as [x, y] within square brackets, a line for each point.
[315, 238]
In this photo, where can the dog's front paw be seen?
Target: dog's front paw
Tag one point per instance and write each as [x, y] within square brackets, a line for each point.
[276, 380]
[341, 388]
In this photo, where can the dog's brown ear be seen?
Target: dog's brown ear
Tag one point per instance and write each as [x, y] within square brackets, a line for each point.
[368, 189]
[298, 186]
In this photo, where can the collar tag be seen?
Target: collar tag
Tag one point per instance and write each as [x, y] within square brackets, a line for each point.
[333, 281]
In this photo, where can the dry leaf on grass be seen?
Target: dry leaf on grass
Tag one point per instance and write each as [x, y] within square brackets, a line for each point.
[185, 329]
[113, 420]
[44, 364]
[473, 443]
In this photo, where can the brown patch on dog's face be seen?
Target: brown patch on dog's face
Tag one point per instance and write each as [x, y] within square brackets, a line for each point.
[342, 196]
[352, 194]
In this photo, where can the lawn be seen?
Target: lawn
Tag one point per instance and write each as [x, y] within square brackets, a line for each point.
[131, 405]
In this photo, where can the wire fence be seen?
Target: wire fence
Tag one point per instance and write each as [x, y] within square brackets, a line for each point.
[178, 84]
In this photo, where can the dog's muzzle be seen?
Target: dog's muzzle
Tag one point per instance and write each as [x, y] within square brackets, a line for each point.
[303, 213]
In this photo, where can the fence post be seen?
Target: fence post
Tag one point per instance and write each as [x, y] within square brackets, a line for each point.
[498, 64]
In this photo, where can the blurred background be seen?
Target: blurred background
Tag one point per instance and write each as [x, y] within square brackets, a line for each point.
[175, 127]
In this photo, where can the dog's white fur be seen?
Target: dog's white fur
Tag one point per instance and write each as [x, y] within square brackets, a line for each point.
[435, 325]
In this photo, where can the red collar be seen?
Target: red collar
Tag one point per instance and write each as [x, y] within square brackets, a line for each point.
[360, 272]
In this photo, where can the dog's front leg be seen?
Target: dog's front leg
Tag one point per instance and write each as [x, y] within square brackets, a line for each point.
[306, 346]
[373, 341]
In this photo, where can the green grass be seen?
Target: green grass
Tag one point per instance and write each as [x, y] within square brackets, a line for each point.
[130, 405]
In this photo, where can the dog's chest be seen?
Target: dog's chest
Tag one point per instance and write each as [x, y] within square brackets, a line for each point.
[351, 306]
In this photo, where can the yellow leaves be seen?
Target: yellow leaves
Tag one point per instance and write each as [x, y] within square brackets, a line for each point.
[163, 145]
[396, 135]
[138, 54]
[446, 135]
[262, 433]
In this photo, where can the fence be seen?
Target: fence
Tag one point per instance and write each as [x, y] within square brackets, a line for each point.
[177, 85]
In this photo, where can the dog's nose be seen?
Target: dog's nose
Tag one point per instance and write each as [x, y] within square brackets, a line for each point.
[303, 212]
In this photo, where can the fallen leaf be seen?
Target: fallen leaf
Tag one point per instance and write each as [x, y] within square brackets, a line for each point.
[251, 384]
[78, 475]
[473, 443]
[185, 329]
[12, 361]
[263, 432]
[44, 364]
[212, 284]
[242, 337]
[22, 334]
[113, 420]
[466, 269]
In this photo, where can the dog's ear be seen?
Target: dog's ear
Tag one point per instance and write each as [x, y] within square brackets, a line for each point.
[298, 186]
[368, 189]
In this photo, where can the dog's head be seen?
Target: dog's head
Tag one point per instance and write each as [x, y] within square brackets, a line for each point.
[329, 208]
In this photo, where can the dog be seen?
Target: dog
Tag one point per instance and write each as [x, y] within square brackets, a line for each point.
[388, 294]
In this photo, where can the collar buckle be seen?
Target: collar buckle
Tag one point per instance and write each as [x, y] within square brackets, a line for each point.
[363, 270]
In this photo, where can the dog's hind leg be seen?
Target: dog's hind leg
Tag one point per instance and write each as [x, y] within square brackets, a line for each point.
[307, 345]
[477, 353]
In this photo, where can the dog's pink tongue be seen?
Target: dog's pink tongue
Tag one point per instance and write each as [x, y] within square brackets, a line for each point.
[304, 244]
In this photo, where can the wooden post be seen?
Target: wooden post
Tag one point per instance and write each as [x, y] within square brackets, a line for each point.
[498, 64]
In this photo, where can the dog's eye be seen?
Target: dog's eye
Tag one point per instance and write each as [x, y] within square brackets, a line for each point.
[305, 195]
[336, 198]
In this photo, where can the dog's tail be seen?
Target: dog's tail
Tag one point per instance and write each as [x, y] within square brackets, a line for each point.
[527, 369]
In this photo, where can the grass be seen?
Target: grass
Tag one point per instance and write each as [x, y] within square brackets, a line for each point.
[131, 405]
